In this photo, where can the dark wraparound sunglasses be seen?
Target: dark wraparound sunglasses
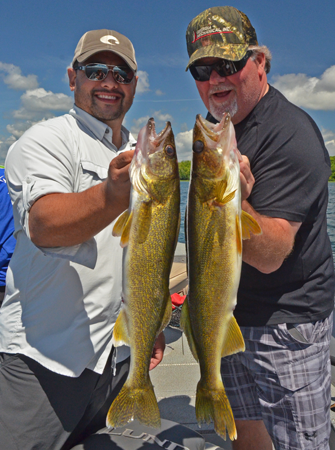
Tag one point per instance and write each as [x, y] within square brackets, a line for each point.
[224, 68]
[98, 72]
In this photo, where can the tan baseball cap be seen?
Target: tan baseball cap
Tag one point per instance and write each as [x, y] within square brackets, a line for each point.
[219, 32]
[101, 40]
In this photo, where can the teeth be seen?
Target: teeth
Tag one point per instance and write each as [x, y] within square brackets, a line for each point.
[109, 97]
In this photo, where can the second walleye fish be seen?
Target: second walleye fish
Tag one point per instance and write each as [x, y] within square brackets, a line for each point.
[215, 228]
[149, 232]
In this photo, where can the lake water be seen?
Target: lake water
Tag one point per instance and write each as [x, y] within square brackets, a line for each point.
[330, 212]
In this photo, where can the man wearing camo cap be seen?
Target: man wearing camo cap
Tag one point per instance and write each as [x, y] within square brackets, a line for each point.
[279, 388]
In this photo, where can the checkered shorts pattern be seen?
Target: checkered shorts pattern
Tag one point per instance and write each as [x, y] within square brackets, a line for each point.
[283, 378]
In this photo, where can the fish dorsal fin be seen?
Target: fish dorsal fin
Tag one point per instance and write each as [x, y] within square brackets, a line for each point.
[121, 332]
[249, 225]
[143, 221]
[120, 223]
[238, 235]
[185, 324]
[234, 341]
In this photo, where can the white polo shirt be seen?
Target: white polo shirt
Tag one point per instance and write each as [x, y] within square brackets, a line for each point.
[61, 303]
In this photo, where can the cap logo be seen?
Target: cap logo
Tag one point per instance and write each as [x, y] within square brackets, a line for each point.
[208, 31]
[108, 38]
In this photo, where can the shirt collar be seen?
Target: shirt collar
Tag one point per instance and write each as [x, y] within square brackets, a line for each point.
[100, 129]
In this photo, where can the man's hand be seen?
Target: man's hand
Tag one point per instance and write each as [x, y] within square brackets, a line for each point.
[118, 181]
[246, 176]
[158, 351]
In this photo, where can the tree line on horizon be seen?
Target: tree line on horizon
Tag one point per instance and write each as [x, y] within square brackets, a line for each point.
[185, 169]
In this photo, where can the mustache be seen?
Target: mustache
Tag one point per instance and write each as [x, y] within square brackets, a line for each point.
[220, 88]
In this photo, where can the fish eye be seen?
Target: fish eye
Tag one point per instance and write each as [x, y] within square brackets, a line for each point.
[198, 146]
[170, 151]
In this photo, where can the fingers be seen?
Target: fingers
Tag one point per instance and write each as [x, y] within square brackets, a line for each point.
[246, 176]
[118, 181]
[158, 351]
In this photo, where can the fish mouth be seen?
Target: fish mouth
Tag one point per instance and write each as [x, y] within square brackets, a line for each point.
[212, 130]
[157, 139]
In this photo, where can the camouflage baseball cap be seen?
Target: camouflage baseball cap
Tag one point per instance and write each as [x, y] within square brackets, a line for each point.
[219, 32]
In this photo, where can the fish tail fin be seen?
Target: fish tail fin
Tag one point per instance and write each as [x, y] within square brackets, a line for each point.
[134, 403]
[186, 327]
[214, 405]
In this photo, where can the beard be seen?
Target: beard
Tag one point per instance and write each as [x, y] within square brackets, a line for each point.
[218, 109]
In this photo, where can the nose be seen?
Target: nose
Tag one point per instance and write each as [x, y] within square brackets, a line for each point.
[109, 81]
[215, 78]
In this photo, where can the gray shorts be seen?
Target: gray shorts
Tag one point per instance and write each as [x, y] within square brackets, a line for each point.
[42, 410]
[283, 378]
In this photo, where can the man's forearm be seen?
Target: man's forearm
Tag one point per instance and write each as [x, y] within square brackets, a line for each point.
[268, 251]
[63, 220]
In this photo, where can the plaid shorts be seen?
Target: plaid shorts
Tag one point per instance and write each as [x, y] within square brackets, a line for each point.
[283, 378]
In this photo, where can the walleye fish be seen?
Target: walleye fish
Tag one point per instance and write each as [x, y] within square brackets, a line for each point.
[149, 233]
[215, 228]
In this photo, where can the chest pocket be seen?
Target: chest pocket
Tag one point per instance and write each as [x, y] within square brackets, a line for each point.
[92, 174]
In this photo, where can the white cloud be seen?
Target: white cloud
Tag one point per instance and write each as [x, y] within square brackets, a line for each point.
[160, 121]
[142, 82]
[159, 92]
[184, 142]
[5, 143]
[308, 92]
[12, 76]
[329, 138]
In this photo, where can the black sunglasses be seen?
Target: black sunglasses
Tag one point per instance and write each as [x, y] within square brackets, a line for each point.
[98, 72]
[224, 68]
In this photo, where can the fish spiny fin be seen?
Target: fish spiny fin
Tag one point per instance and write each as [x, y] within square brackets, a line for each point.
[120, 332]
[249, 225]
[134, 403]
[143, 222]
[234, 341]
[238, 235]
[126, 231]
[213, 404]
[167, 315]
[185, 324]
[120, 223]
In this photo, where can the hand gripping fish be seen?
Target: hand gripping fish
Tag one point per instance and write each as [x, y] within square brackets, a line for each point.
[216, 226]
[149, 233]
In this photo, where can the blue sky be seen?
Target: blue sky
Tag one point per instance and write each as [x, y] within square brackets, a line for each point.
[38, 39]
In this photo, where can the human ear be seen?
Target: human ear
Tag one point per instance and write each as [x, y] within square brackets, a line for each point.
[72, 74]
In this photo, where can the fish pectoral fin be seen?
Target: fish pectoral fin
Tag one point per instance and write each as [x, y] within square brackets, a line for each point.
[185, 324]
[120, 223]
[120, 332]
[126, 231]
[143, 222]
[234, 341]
[224, 194]
[249, 225]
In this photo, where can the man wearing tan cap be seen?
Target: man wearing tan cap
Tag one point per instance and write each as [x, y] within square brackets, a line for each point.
[68, 180]
[279, 388]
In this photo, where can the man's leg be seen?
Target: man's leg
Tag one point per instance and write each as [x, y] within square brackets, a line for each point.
[39, 409]
[252, 435]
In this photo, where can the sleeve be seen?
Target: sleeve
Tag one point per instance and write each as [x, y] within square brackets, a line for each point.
[291, 168]
[41, 162]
